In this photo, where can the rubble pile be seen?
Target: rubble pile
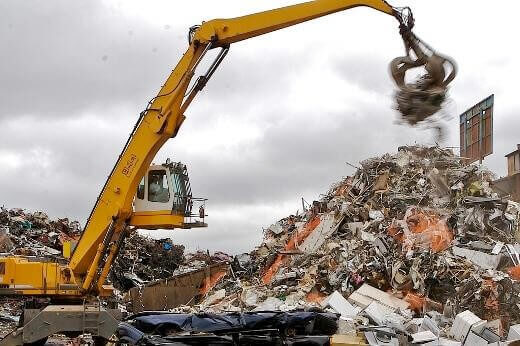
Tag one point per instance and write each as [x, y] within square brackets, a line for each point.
[415, 242]
[143, 259]
[10, 312]
[34, 234]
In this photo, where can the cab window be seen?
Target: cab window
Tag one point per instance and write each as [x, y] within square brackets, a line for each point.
[140, 190]
[158, 186]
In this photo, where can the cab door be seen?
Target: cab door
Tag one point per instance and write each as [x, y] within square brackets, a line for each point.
[154, 192]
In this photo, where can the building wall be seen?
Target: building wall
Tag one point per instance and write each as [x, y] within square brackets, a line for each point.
[513, 163]
[509, 185]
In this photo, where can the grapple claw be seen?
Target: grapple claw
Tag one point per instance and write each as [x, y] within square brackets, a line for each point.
[423, 97]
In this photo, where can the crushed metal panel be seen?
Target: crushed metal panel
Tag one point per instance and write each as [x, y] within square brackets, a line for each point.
[183, 289]
[328, 225]
[476, 130]
[479, 258]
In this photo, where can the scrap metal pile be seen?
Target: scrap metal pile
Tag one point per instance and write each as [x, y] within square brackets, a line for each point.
[30, 234]
[415, 245]
[142, 260]
[34, 234]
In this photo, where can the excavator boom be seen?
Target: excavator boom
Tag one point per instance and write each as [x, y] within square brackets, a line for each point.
[165, 114]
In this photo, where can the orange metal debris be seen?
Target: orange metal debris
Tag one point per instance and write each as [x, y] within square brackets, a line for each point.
[298, 237]
[315, 296]
[211, 281]
[514, 272]
[416, 301]
[425, 229]
[489, 292]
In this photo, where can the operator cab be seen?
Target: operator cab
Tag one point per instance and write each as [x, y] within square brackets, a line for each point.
[164, 199]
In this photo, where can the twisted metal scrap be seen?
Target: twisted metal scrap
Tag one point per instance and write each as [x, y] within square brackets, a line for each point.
[419, 100]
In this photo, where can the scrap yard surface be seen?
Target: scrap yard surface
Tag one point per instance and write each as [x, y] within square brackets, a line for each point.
[322, 191]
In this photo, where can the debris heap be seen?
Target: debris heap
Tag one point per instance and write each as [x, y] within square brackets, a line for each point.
[414, 242]
[143, 259]
[34, 234]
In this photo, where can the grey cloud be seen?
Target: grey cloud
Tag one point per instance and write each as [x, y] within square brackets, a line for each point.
[367, 72]
[65, 56]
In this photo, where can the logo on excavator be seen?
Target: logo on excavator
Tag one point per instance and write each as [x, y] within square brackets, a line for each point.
[129, 166]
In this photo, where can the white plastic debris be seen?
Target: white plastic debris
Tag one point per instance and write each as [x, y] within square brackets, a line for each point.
[514, 333]
[424, 336]
[338, 303]
[465, 322]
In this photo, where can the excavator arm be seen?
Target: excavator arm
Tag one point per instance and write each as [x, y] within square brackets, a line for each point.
[164, 116]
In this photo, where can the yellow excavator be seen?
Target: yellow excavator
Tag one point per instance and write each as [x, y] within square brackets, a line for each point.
[138, 195]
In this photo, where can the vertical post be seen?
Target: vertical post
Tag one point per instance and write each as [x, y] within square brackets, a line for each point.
[480, 135]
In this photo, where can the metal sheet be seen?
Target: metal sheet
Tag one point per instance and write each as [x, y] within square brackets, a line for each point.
[183, 289]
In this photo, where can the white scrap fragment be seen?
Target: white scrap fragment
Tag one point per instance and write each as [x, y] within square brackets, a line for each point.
[429, 324]
[339, 304]
[366, 294]
[475, 340]
[214, 298]
[479, 258]
[377, 312]
[465, 322]
[270, 304]
[376, 215]
[366, 236]
[514, 333]
[328, 225]
[276, 228]
[497, 248]
[423, 336]
[458, 186]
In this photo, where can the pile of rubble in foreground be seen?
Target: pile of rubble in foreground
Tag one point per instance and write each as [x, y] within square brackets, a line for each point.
[415, 246]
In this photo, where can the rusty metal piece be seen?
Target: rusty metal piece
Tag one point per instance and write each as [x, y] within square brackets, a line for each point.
[182, 289]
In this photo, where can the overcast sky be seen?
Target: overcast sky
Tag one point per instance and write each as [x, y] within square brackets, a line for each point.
[277, 122]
